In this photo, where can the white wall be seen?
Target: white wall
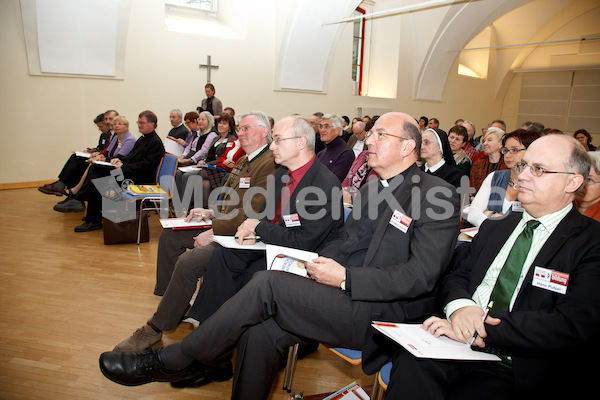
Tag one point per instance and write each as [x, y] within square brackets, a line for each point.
[45, 118]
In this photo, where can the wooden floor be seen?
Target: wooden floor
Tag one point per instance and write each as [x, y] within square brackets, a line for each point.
[66, 297]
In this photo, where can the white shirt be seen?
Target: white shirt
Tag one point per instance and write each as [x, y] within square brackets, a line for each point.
[483, 292]
[358, 147]
[435, 167]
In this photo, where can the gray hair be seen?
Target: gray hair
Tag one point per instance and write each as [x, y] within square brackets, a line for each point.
[496, 131]
[579, 161]
[336, 122]
[470, 123]
[410, 131]
[595, 159]
[178, 111]
[261, 120]
[211, 121]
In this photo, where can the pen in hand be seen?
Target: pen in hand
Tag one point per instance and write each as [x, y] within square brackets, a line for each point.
[485, 314]
[248, 238]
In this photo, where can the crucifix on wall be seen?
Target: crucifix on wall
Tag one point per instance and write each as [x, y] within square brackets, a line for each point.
[208, 67]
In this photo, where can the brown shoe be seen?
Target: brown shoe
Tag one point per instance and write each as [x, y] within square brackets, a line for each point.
[51, 189]
[142, 339]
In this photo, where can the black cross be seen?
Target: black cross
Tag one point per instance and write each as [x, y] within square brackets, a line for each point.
[208, 67]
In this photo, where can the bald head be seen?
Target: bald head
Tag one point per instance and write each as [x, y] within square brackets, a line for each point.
[394, 144]
[567, 164]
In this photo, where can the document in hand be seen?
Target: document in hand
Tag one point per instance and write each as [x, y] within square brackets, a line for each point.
[104, 163]
[82, 154]
[172, 147]
[230, 243]
[179, 224]
[423, 344]
[286, 259]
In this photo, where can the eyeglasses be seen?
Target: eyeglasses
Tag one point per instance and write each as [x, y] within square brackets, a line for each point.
[278, 140]
[591, 181]
[143, 123]
[381, 135]
[246, 128]
[538, 171]
[506, 150]
[325, 126]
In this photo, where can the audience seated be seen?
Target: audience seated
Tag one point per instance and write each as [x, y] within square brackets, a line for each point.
[423, 123]
[585, 139]
[314, 121]
[121, 144]
[358, 175]
[459, 138]
[213, 178]
[436, 152]
[540, 329]
[587, 200]
[469, 146]
[492, 159]
[337, 155]
[228, 270]
[75, 166]
[387, 274]
[139, 166]
[357, 141]
[197, 148]
[497, 195]
[179, 131]
[251, 171]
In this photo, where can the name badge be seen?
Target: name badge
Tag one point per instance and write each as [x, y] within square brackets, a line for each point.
[516, 206]
[548, 279]
[245, 182]
[230, 144]
[291, 220]
[400, 221]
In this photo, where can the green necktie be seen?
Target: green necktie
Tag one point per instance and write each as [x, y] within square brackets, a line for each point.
[511, 271]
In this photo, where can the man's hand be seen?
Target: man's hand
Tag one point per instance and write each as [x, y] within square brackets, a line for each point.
[204, 238]
[468, 320]
[200, 214]
[246, 229]
[117, 163]
[326, 271]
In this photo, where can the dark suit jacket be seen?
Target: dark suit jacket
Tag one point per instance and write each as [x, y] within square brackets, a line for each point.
[230, 269]
[179, 132]
[398, 277]
[550, 336]
[141, 163]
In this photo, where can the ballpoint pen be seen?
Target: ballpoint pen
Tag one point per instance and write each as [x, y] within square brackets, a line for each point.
[485, 314]
[248, 238]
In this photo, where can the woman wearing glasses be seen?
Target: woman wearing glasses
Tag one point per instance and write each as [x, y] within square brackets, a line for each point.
[588, 199]
[497, 195]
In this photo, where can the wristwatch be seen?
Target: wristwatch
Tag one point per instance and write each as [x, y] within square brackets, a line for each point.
[343, 285]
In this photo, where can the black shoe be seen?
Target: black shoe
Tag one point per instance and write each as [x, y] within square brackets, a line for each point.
[134, 369]
[70, 205]
[199, 374]
[87, 227]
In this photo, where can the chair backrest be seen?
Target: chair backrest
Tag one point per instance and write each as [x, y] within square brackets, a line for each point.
[165, 176]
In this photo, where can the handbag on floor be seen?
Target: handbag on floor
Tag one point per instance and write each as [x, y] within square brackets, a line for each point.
[125, 231]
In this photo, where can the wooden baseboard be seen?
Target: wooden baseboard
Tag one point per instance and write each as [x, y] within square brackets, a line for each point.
[23, 185]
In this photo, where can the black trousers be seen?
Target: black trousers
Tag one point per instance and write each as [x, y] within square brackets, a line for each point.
[272, 312]
[73, 170]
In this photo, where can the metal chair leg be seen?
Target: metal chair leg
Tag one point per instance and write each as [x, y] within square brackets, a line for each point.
[290, 367]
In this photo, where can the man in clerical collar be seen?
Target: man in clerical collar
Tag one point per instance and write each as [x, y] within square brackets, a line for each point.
[384, 266]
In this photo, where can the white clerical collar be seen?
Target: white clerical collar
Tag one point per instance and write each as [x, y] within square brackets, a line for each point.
[435, 167]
